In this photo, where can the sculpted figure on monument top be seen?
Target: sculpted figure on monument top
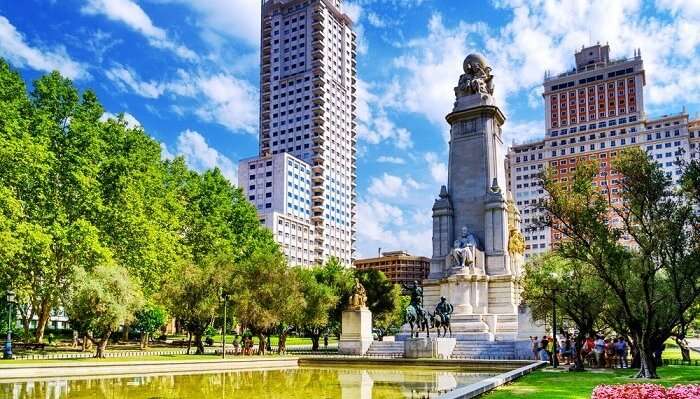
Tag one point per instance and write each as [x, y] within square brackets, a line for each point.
[477, 77]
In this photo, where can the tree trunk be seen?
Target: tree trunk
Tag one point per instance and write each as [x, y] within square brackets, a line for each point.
[282, 343]
[198, 343]
[578, 361]
[125, 334]
[101, 346]
[262, 344]
[44, 313]
[189, 342]
[142, 345]
[647, 367]
[315, 337]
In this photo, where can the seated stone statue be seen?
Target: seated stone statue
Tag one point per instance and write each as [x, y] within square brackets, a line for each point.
[463, 253]
[358, 299]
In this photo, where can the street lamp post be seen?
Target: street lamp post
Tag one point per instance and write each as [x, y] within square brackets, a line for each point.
[10, 299]
[555, 361]
[224, 296]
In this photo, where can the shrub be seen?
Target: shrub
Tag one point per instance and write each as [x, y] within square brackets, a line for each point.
[645, 391]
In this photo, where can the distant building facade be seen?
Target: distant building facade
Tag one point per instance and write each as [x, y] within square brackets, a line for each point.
[399, 266]
[303, 182]
[591, 113]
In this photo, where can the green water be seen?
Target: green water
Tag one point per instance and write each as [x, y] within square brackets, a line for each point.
[303, 382]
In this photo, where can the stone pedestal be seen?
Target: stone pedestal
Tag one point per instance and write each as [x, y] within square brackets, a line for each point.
[429, 347]
[356, 332]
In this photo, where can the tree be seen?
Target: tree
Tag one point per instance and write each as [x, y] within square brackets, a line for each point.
[319, 300]
[383, 297]
[647, 256]
[579, 294]
[341, 280]
[265, 292]
[148, 320]
[101, 300]
[88, 190]
[191, 296]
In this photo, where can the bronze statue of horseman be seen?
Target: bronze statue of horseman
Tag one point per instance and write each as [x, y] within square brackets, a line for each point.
[421, 320]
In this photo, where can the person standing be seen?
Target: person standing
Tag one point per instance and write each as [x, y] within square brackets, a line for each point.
[535, 348]
[550, 351]
[543, 349]
[599, 351]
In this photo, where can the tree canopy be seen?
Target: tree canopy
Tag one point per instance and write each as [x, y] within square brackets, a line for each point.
[644, 247]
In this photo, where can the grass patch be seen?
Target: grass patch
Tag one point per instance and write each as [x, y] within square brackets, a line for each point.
[565, 385]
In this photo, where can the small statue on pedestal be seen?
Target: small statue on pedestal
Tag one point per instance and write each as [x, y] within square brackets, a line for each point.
[358, 298]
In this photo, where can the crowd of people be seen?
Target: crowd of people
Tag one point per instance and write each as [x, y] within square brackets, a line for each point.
[597, 352]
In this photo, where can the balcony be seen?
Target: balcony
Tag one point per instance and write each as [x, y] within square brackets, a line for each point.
[318, 34]
[319, 119]
[318, 178]
[317, 109]
[319, 139]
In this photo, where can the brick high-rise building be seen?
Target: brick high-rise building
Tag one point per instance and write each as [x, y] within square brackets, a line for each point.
[308, 83]
[592, 112]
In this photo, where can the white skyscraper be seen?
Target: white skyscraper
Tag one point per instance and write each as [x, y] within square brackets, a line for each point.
[305, 171]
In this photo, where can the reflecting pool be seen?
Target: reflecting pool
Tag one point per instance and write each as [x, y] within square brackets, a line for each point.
[299, 382]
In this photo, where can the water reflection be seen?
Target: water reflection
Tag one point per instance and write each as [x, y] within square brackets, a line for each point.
[304, 382]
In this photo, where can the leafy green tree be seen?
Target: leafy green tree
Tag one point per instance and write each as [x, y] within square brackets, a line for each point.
[579, 294]
[383, 297]
[319, 301]
[652, 275]
[191, 295]
[265, 292]
[149, 319]
[89, 191]
[101, 300]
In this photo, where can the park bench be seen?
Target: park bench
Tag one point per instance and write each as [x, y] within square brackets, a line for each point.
[28, 346]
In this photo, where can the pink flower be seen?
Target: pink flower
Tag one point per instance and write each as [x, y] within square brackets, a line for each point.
[646, 391]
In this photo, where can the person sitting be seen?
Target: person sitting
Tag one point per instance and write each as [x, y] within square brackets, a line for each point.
[567, 351]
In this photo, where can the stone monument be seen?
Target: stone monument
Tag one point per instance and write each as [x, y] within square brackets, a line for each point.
[356, 327]
[477, 245]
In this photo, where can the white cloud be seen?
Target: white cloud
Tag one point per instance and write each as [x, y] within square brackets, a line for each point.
[221, 98]
[232, 102]
[382, 225]
[388, 186]
[375, 20]
[133, 16]
[127, 80]
[165, 154]
[238, 19]
[200, 156]
[515, 132]
[15, 49]
[392, 160]
[438, 169]
[352, 10]
[374, 126]
[130, 120]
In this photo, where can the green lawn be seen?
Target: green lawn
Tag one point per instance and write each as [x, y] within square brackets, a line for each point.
[565, 385]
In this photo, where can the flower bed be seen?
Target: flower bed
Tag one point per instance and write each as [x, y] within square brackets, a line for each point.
[646, 391]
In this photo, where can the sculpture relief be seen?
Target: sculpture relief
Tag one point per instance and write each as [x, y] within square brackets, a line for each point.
[477, 77]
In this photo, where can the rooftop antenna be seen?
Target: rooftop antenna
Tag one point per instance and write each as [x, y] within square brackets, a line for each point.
[379, 252]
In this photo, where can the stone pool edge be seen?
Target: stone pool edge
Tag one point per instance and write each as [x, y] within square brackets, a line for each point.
[130, 368]
[481, 387]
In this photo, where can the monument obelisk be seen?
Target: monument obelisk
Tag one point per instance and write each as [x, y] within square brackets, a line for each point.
[477, 245]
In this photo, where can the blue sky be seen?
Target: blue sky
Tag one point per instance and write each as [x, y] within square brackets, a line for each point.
[187, 71]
